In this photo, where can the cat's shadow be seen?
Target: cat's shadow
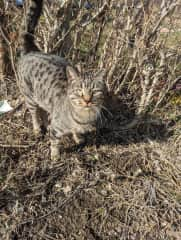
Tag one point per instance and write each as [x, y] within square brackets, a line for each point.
[142, 133]
[150, 128]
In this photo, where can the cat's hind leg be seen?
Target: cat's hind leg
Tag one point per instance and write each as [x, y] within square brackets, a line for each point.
[54, 143]
[36, 121]
[44, 120]
[35, 114]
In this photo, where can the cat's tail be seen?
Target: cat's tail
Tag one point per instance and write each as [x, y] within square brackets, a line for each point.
[32, 17]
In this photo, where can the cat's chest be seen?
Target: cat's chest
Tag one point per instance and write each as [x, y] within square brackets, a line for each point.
[71, 121]
[84, 122]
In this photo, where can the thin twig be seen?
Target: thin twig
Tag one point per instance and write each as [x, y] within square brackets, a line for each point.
[14, 146]
[96, 15]
[11, 52]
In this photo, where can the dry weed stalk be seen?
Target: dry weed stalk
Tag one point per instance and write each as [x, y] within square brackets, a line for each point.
[2, 43]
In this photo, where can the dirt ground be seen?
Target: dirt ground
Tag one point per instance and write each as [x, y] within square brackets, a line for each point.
[122, 185]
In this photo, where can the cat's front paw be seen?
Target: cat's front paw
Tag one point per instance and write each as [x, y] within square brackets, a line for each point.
[78, 138]
[55, 157]
[37, 131]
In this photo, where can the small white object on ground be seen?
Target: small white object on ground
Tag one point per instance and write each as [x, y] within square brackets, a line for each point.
[4, 107]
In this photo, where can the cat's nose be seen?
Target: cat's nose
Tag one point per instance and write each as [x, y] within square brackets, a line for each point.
[87, 96]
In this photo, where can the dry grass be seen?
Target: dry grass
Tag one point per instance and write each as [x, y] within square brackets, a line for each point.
[121, 185]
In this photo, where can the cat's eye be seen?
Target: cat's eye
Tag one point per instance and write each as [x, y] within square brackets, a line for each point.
[79, 92]
[97, 91]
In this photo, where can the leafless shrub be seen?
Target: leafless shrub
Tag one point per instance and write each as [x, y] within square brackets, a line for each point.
[129, 38]
[136, 54]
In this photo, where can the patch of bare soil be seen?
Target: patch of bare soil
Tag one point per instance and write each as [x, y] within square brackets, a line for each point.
[121, 185]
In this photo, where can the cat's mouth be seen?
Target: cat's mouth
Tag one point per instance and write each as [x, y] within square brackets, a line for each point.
[87, 104]
[87, 107]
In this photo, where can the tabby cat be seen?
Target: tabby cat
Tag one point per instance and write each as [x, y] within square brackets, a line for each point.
[50, 85]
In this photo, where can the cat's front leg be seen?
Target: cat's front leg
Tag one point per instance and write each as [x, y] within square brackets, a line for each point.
[55, 149]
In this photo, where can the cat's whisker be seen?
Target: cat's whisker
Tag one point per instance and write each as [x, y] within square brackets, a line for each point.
[103, 107]
[99, 115]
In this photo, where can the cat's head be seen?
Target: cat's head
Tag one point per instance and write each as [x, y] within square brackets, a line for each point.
[86, 92]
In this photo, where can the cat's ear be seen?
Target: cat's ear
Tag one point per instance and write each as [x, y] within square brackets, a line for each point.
[79, 67]
[72, 74]
[100, 76]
